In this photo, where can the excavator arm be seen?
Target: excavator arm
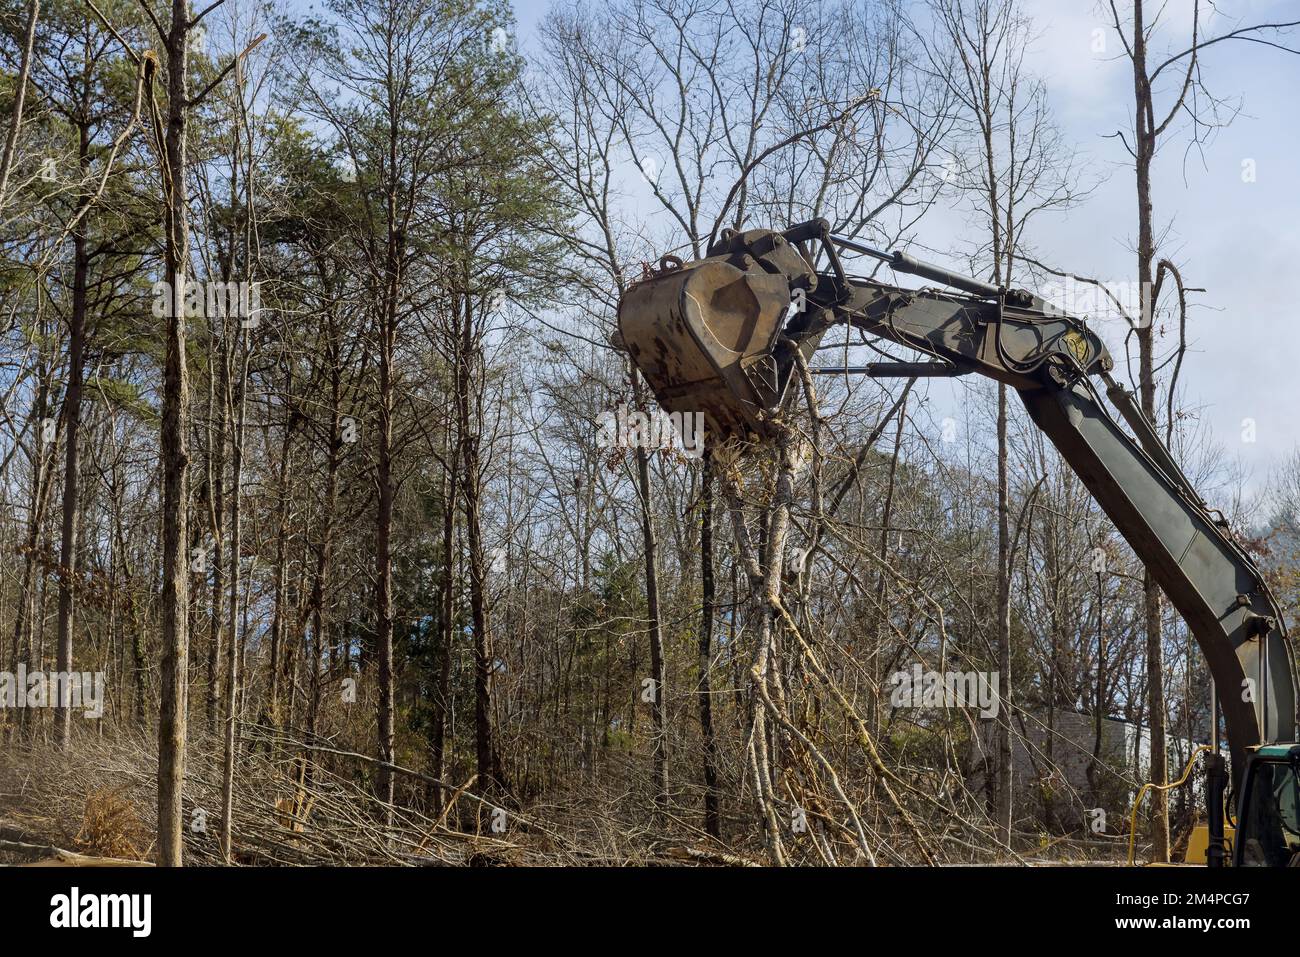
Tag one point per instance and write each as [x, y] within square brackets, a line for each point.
[719, 336]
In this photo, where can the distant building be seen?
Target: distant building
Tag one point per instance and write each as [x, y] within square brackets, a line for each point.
[1058, 771]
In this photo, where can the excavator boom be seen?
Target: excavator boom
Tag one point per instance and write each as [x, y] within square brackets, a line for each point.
[721, 336]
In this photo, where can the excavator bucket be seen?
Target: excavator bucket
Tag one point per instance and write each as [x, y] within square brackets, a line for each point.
[704, 337]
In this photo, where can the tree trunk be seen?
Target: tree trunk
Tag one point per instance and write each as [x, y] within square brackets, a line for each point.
[384, 527]
[72, 445]
[175, 459]
[1145, 144]
[1004, 785]
[712, 826]
[659, 731]
[489, 771]
[37, 503]
[217, 493]
[234, 636]
[278, 614]
[446, 618]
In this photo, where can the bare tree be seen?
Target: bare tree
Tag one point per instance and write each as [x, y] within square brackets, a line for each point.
[1018, 167]
[173, 163]
[1191, 101]
[712, 111]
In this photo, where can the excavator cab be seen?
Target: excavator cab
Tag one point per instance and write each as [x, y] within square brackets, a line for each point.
[1268, 820]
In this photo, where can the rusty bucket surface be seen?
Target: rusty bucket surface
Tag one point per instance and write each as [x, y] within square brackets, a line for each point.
[703, 336]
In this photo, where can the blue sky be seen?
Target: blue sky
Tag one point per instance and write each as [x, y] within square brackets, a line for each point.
[1238, 239]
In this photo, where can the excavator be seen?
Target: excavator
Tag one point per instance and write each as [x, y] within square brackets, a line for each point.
[726, 334]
